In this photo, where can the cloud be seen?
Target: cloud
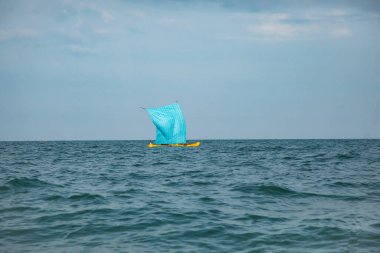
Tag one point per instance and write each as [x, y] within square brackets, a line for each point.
[169, 21]
[273, 5]
[80, 50]
[105, 15]
[294, 25]
[138, 14]
[83, 23]
[277, 30]
[338, 13]
[8, 34]
[340, 32]
[283, 30]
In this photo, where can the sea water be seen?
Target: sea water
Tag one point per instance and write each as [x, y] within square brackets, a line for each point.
[225, 196]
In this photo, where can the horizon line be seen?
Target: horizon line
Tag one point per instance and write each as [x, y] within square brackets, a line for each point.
[208, 139]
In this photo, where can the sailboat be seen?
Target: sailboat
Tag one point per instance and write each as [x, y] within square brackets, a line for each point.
[170, 127]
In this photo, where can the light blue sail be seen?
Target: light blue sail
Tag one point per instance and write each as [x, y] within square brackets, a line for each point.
[170, 124]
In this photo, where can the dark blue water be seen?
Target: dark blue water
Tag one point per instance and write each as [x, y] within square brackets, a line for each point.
[225, 196]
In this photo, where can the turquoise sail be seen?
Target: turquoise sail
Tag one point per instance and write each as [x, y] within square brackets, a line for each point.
[170, 124]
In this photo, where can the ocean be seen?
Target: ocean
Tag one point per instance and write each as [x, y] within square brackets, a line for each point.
[225, 196]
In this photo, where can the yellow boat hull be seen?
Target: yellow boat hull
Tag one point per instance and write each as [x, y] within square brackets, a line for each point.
[194, 144]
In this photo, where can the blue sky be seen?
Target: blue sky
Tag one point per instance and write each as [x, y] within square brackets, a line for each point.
[80, 70]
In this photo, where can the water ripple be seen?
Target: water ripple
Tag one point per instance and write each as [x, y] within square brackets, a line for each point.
[225, 196]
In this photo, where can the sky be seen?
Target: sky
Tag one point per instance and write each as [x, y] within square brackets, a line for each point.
[81, 70]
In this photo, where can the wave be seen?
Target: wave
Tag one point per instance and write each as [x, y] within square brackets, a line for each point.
[54, 198]
[159, 163]
[290, 158]
[4, 188]
[347, 155]
[222, 197]
[275, 190]
[17, 209]
[204, 232]
[203, 183]
[126, 191]
[147, 223]
[280, 191]
[264, 189]
[207, 199]
[86, 196]
[25, 182]
[106, 227]
[257, 218]
[138, 175]
[342, 184]
[77, 215]
[23, 163]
